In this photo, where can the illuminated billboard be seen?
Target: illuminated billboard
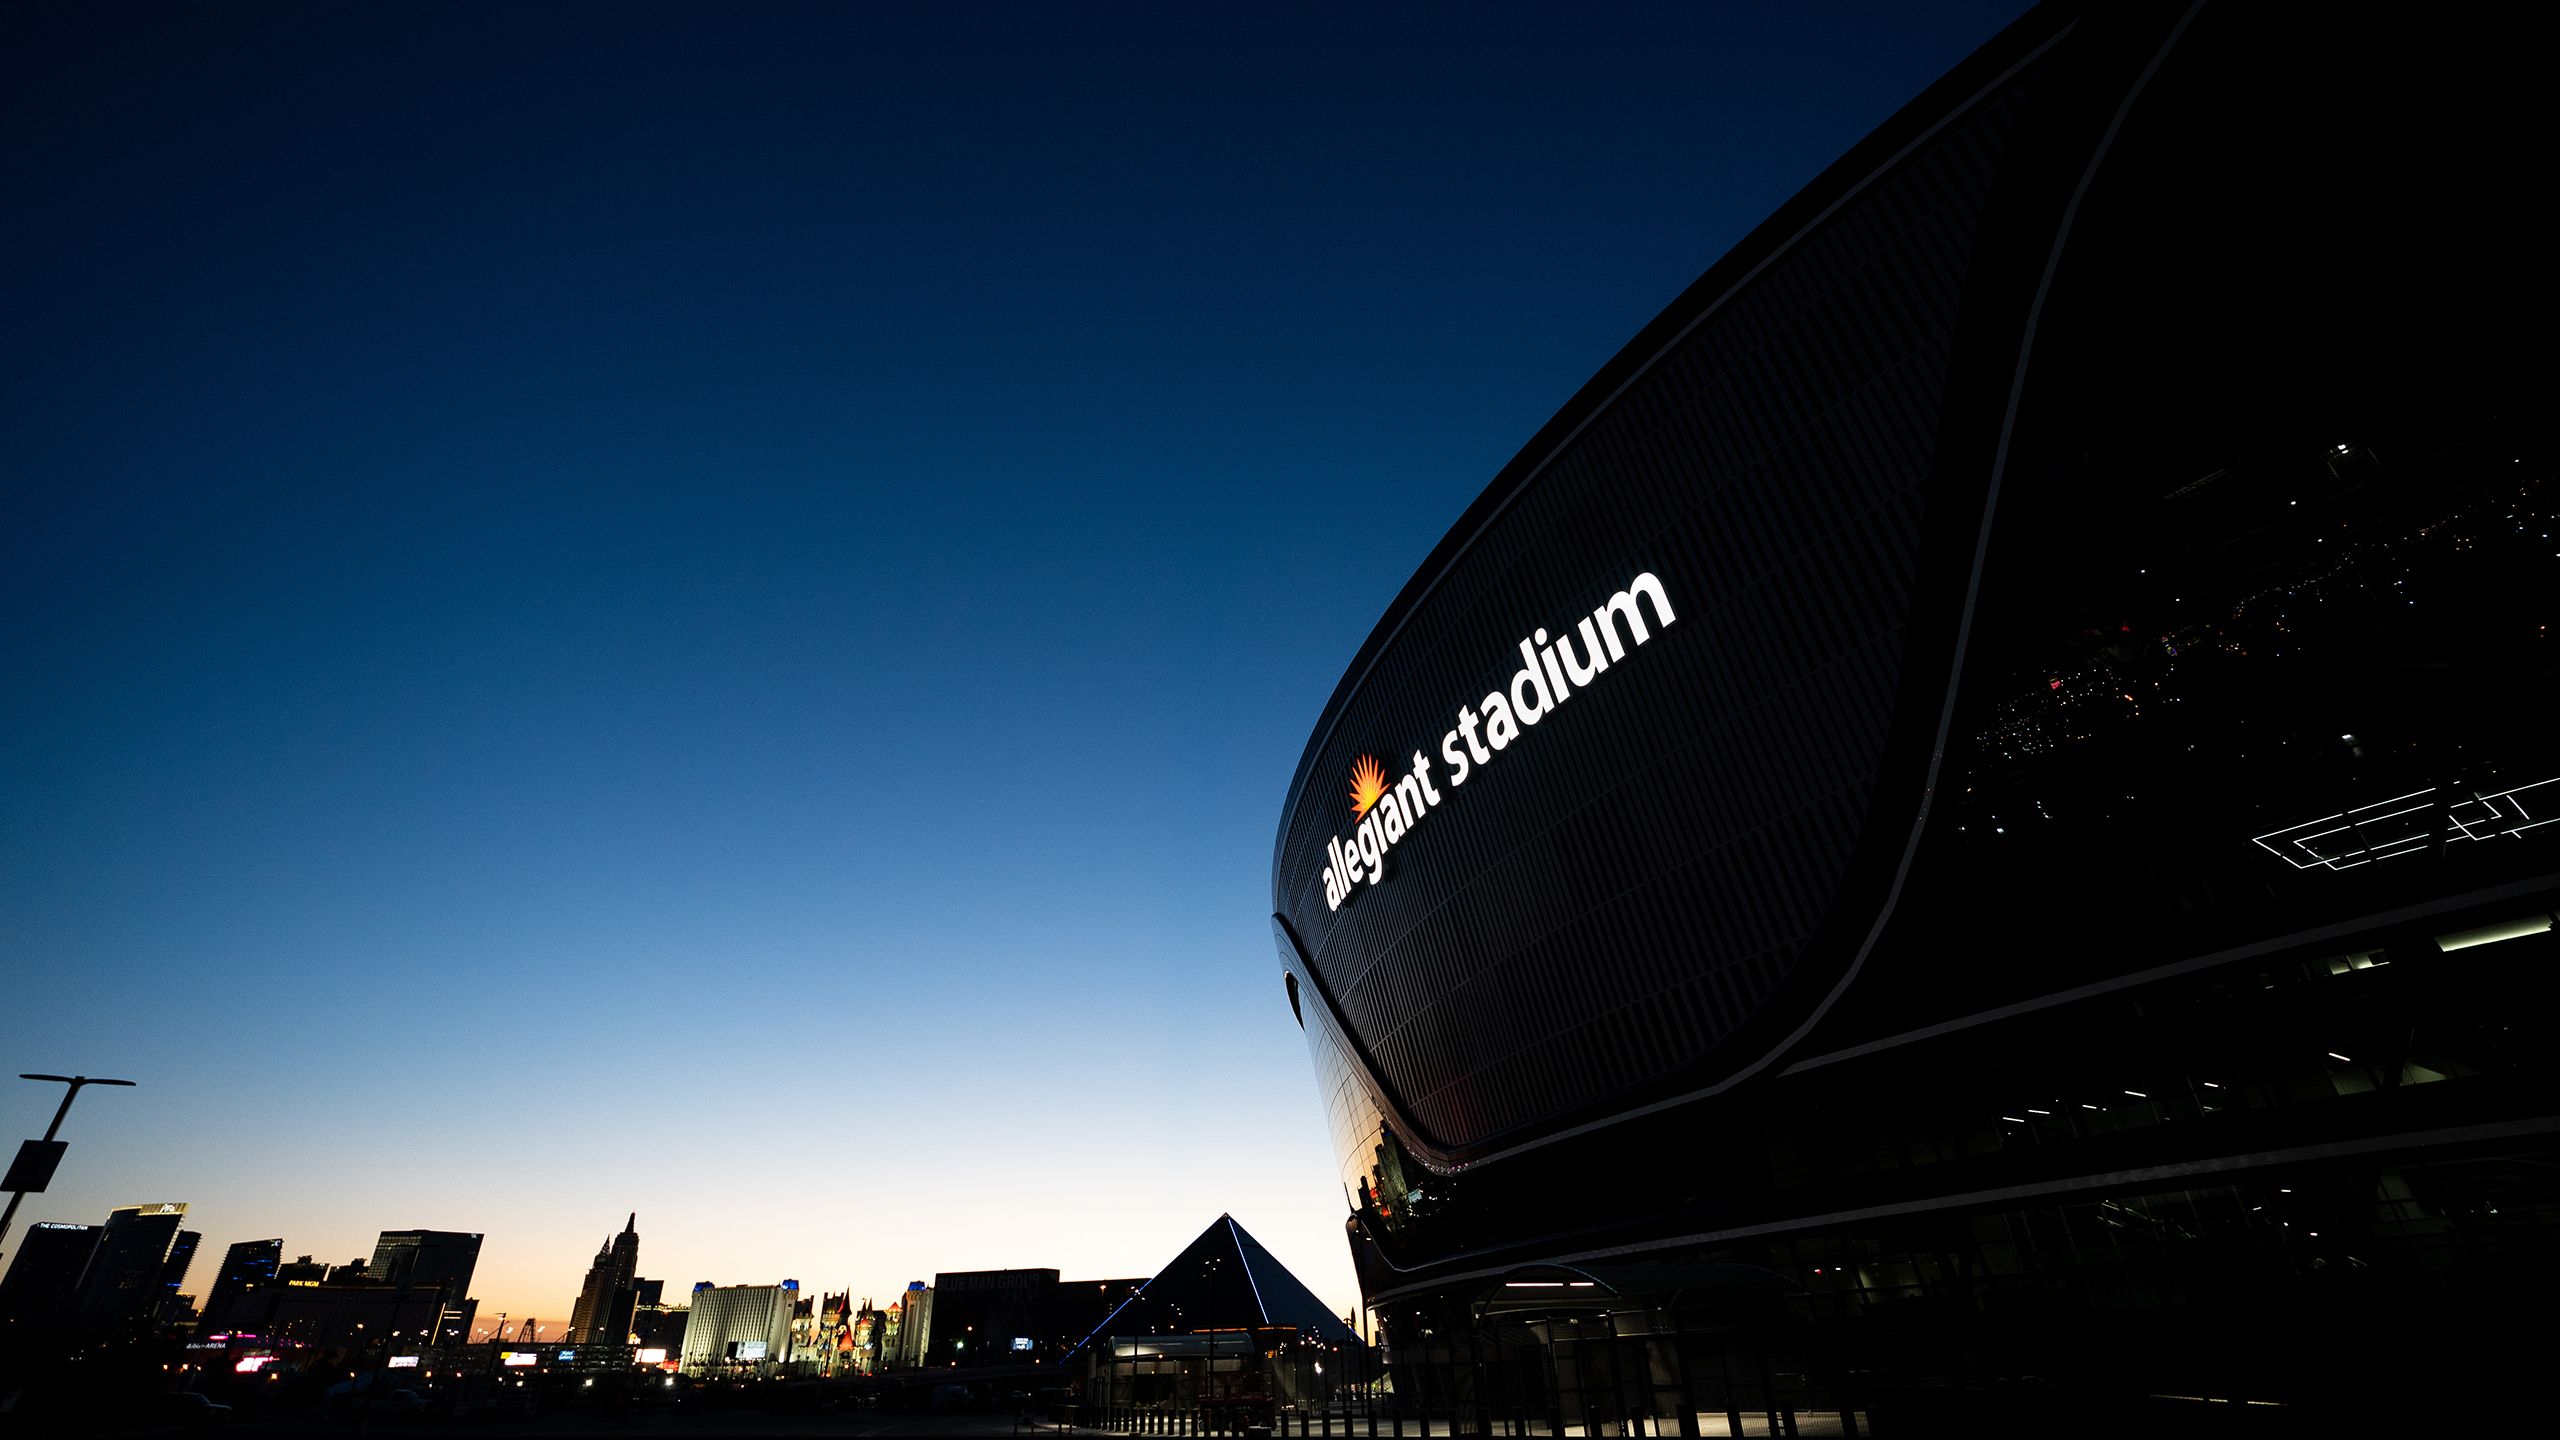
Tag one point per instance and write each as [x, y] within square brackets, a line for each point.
[517, 1359]
[401, 1362]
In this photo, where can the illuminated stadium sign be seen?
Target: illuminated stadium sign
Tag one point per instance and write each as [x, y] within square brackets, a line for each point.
[1549, 674]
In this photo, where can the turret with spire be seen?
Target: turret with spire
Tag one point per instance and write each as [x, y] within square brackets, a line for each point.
[605, 1301]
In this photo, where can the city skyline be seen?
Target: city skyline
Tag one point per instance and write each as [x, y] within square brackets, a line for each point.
[706, 616]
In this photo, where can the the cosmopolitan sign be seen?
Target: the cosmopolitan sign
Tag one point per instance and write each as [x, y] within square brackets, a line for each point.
[1549, 674]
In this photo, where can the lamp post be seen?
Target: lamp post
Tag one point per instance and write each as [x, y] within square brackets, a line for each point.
[36, 1158]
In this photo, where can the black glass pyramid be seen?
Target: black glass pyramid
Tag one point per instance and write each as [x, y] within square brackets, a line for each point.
[1224, 1280]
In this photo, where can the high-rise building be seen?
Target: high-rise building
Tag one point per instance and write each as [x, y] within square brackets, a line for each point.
[740, 1326]
[44, 1277]
[129, 1273]
[654, 1325]
[248, 1270]
[441, 1260]
[1965, 837]
[602, 1315]
[437, 1263]
[350, 1311]
[910, 1327]
[172, 1308]
[411, 1292]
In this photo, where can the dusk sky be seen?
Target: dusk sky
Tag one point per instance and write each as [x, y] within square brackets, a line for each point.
[708, 610]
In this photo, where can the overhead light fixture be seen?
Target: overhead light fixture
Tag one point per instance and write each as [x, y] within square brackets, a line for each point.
[2389, 829]
[2492, 934]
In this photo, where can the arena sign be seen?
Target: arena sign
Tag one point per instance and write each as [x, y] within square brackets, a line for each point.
[1549, 674]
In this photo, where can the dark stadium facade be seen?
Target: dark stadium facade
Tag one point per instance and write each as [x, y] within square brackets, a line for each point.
[2054, 924]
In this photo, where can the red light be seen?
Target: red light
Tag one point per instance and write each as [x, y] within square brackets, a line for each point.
[2053, 684]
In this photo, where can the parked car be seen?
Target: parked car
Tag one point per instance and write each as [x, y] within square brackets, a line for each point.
[185, 1410]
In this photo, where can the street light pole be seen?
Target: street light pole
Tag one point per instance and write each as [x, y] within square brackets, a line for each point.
[44, 1169]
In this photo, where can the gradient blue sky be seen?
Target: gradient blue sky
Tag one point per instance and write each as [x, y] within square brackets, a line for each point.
[707, 609]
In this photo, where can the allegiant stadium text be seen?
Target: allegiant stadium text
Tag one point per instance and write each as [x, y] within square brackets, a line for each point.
[1548, 675]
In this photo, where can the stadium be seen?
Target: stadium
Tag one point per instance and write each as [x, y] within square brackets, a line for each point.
[2054, 928]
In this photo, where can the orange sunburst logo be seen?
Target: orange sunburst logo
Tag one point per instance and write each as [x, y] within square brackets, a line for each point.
[1368, 782]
